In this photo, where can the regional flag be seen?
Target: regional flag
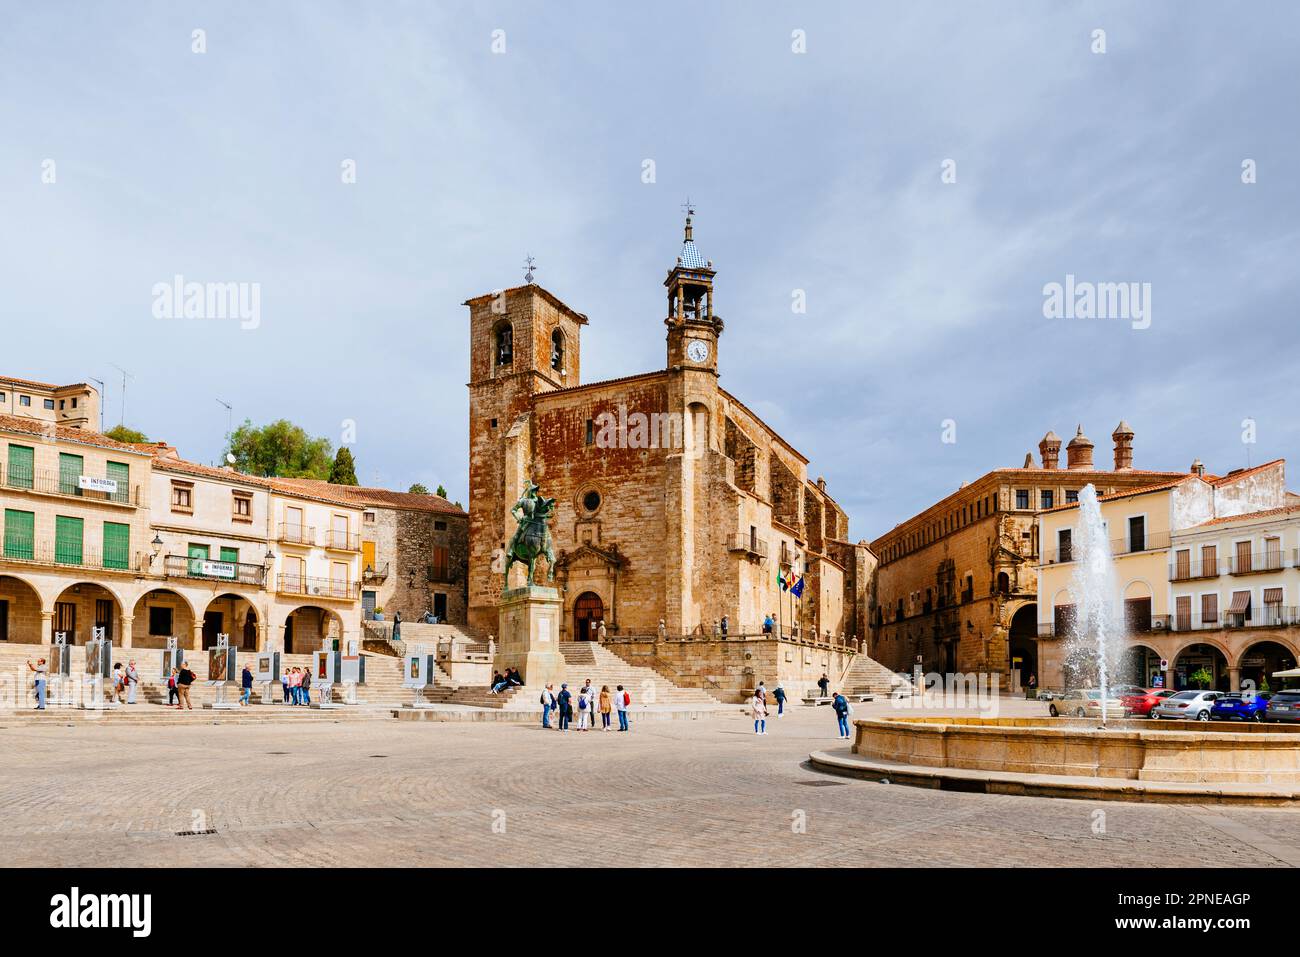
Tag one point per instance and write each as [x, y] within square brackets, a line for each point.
[781, 579]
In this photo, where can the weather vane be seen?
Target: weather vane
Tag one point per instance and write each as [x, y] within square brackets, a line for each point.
[528, 269]
[688, 208]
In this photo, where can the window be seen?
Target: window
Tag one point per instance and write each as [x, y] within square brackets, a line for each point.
[1071, 496]
[120, 473]
[505, 345]
[24, 400]
[22, 471]
[49, 405]
[591, 500]
[62, 405]
[68, 537]
[183, 497]
[74, 402]
[439, 571]
[557, 350]
[1272, 553]
[65, 619]
[369, 518]
[1137, 533]
[71, 468]
[1183, 565]
[2, 396]
[1065, 545]
[241, 505]
[439, 526]
[230, 555]
[160, 622]
[20, 534]
[591, 432]
[1210, 609]
[1022, 498]
[117, 545]
[1046, 498]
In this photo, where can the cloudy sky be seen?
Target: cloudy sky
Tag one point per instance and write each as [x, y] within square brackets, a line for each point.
[820, 171]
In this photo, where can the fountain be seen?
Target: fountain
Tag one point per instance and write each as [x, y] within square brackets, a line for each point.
[1096, 637]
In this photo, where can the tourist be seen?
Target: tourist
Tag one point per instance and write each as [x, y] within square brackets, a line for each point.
[767, 624]
[824, 683]
[842, 709]
[184, 678]
[119, 684]
[584, 709]
[779, 694]
[304, 687]
[548, 705]
[42, 675]
[606, 705]
[397, 626]
[590, 691]
[499, 683]
[284, 683]
[761, 691]
[171, 688]
[566, 707]
[723, 625]
[131, 678]
[758, 708]
[513, 676]
[600, 632]
[621, 701]
[291, 684]
[246, 680]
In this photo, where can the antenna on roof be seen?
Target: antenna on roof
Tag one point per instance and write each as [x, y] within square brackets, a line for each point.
[230, 426]
[101, 401]
[125, 375]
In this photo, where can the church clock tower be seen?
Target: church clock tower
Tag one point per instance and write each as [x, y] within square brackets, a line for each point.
[693, 329]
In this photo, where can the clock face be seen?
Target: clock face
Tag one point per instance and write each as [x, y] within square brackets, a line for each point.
[697, 350]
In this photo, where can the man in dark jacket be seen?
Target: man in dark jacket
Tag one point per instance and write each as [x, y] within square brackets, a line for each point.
[841, 706]
[246, 682]
[566, 707]
[184, 679]
[823, 683]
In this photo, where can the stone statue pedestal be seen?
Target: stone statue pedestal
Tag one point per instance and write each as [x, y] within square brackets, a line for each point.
[529, 635]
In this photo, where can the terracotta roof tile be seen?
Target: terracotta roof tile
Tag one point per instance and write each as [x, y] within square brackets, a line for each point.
[1123, 493]
[361, 495]
[40, 427]
[1252, 516]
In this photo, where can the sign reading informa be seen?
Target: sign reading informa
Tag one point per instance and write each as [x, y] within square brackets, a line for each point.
[93, 484]
[218, 569]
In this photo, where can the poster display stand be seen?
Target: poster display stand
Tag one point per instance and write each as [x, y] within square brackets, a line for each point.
[417, 674]
[323, 677]
[99, 667]
[221, 672]
[60, 670]
[266, 672]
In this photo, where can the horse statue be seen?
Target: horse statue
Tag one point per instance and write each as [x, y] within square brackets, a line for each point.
[533, 536]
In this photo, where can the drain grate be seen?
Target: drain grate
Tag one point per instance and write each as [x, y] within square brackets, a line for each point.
[277, 752]
[195, 833]
[822, 784]
[378, 755]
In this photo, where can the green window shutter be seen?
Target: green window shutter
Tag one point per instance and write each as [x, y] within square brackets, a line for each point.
[22, 467]
[120, 473]
[71, 468]
[198, 555]
[229, 554]
[67, 539]
[20, 534]
[117, 545]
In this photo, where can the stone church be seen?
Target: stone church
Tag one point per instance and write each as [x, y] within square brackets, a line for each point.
[674, 500]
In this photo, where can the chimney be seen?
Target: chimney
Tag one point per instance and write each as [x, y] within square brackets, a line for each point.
[1050, 451]
[1029, 461]
[1123, 436]
[1198, 468]
[1078, 454]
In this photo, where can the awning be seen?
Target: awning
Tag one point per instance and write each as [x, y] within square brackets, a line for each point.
[1272, 596]
[1240, 602]
[1289, 673]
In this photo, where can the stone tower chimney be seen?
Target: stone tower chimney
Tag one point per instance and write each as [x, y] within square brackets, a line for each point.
[1078, 454]
[1198, 468]
[1049, 450]
[1029, 461]
[1123, 436]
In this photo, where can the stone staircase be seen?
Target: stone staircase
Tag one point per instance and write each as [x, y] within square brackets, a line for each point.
[589, 659]
[868, 676]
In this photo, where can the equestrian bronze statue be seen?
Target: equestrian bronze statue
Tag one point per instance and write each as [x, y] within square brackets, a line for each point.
[533, 536]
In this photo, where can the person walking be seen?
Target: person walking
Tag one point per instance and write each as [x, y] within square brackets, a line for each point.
[779, 694]
[761, 691]
[767, 624]
[132, 679]
[584, 708]
[246, 681]
[171, 688]
[305, 687]
[606, 706]
[566, 707]
[42, 675]
[184, 678]
[548, 705]
[758, 707]
[842, 711]
[824, 683]
[621, 701]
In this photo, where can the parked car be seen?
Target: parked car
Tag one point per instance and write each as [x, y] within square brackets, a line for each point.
[1123, 691]
[1283, 706]
[1251, 707]
[1186, 705]
[1143, 700]
[1085, 703]
[1050, 695]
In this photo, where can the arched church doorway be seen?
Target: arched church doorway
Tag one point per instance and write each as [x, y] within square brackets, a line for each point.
[586, 610]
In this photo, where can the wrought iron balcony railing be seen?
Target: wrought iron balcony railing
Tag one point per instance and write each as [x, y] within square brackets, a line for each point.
[38, 551]
[316, 587]
[296, 534]
[342, 541]
[184, 566]
[53, 482]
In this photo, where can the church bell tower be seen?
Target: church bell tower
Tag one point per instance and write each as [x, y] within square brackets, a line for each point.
[693, 328]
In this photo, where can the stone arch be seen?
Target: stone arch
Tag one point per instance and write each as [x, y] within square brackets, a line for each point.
[587, 608]
[1137, 588]
[698, 428]
[503, 345]
[21, 606]
[175, 615]
[1022, 642]
[1217, 661]
[1282, 656]
[82, 606]
[1139, 662]
[307, 626]
[559, 350]
[239, 618]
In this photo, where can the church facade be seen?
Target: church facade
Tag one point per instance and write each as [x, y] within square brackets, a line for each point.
[675, 502]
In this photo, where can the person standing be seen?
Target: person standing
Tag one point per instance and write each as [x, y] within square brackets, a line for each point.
[758, 707]
[397, 626]
[306, 687]
[779, 694]
[663, 630]
[548, 705]
[600, 632]
[761, 691]
[767, 624]
[621, 701]
[119, 693]
[606, 706]
[42, 675]
[824, 683]
[724, 624]
[171, 688]
[284, 683]
[584, 708]
[246, 681]
[566, 706]
[184, 678]
[132, 679]
[842, 711]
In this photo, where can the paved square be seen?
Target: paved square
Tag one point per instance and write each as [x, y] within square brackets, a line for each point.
[706, 793]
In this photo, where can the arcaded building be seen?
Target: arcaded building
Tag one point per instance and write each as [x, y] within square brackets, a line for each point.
[674, 500]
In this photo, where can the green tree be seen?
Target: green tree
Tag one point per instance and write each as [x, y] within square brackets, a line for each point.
[280, 449]
[344, 469]
[120, 433]
[418, 489]
[441, 493]
[1201, 677]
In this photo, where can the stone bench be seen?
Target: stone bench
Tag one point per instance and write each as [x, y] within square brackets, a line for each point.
[813, 700]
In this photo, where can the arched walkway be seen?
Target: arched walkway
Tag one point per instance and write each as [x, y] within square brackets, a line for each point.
[1260, 660]
[1140, 665]
[1201, 665]
[82, 607]
[20, 611]
[306, 627]
[1022, 644]
[588, 609]
[160, 614]
[232, 615]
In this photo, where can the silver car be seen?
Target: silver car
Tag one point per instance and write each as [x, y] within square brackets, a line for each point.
[1186, 705]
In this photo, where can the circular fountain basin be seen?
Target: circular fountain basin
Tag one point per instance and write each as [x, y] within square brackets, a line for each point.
[1137, 759]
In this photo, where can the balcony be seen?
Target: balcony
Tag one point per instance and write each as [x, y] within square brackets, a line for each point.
[1256, 564]
[749, 545]
[305, 587]
[26, 551]
[50, 482]
[291, 534]
[340, 541]
[182, 566]
[1191, 571]
[1269, 616]
[1150, 542]
[375, 575]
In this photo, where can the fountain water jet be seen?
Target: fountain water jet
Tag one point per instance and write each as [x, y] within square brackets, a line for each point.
[1096, 638]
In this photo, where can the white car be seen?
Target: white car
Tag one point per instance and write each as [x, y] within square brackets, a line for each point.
[1186, 704]
[1085, 703]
